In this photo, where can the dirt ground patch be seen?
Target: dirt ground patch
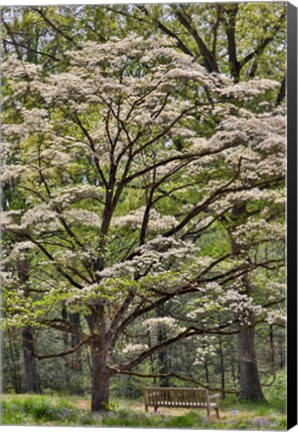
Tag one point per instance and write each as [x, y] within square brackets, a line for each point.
[83, 404]
[138, 407]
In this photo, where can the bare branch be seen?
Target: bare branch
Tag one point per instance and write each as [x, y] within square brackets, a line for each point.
[61, 354]
[114, 369]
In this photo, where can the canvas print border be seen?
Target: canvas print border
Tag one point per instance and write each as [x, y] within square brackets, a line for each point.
[292, 217]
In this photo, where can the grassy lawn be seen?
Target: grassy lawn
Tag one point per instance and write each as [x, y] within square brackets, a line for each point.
[74, 411]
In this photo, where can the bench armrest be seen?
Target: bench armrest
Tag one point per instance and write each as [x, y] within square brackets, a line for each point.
[215, 396]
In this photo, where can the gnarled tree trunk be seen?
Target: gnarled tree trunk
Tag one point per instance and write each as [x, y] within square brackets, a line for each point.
[99, 347]
[100, 386]
[250, 386]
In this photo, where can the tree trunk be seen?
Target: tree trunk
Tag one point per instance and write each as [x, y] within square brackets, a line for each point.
[222, 367]
[14, 357]
[162, 355]
[250, 387]
[65, 337]
[272, 351]
[77, 362]
[163, 368]
[32, 384]
[233, 372]
[100, 387]
[151, 359]
[99, 347]
[282, 356]
[206, 372]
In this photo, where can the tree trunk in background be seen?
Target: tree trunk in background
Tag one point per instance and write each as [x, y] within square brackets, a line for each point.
[14, 357]
[250, 386]
[233, 372]
[222, 367]
[162, 355]
[77, 362]
[151, 359]
[32, 383]
[65, 337]
[282, 360]
[272, 352]
[73, 363]
[163, 368]
[206, 372]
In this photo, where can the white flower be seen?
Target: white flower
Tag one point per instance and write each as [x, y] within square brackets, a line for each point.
[132, 349]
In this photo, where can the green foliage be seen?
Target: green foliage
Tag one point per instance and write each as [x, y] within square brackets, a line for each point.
[34, 409]
[276, 393]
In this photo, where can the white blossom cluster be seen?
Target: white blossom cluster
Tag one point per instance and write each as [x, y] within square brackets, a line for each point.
[132, 349]
[14, 68]
[205, 351]
[55, 157]
[10, 172]
[256, 230]
[19, 249]
[250, 88]
[157, 222]
[159, 323]
[156, 256]
[64, 196]
[82, 217]
[39, 214]
[242, 305]
[276, 316]
[216, 298]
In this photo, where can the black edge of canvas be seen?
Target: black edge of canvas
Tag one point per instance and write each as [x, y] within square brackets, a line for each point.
[292, 216]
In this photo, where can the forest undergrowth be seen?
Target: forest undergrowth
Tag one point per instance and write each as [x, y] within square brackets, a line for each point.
[55, 410]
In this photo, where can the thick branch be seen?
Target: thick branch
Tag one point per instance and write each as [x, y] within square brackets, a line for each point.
[51, 24]
[191, 331]
[56, 265]
[230, 23]
[61, 354]
[17, 44]
[262, 45]
[169, 375]
[209, 60]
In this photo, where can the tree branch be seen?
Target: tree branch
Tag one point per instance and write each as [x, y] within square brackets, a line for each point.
[169, 375]
[51, 24]
[61, 354]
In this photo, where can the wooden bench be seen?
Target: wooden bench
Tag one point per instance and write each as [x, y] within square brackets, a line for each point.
[180, 398]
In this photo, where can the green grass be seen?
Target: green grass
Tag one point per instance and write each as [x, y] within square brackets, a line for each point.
[74, 411]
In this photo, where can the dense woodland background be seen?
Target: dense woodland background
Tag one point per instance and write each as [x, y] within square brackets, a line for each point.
[143, 209]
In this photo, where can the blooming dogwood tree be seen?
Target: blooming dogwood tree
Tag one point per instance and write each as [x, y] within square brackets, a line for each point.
[122, 163]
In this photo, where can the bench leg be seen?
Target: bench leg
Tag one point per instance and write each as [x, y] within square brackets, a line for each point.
[217, 412]
[208, 411]
[155, 409]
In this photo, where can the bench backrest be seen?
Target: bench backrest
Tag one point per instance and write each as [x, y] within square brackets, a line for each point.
[169, 396]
